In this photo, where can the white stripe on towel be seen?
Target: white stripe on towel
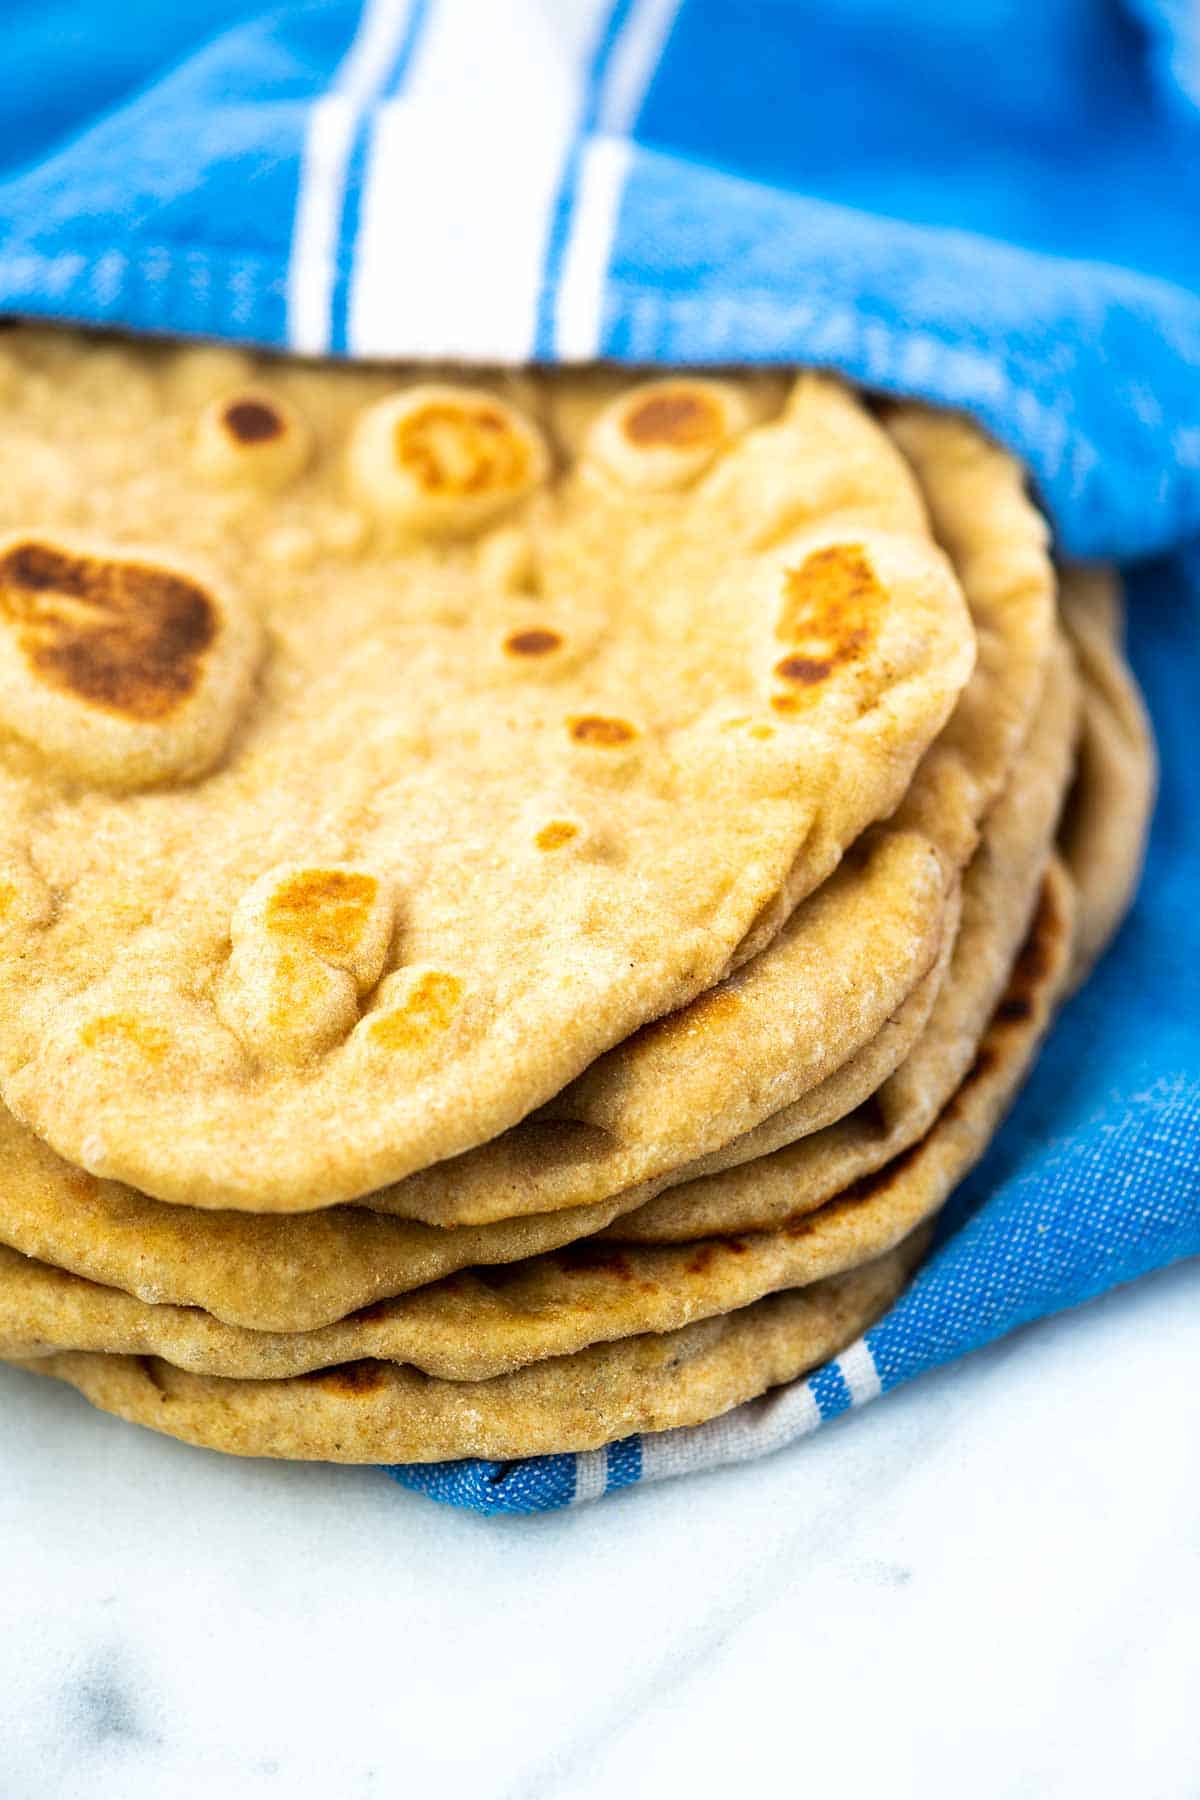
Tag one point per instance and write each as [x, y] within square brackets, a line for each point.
[329, 139]
[860, 1373]
[754, 1429]
[462, 178]
[591, 1475]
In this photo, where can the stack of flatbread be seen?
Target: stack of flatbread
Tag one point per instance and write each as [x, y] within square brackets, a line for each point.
[520, 897]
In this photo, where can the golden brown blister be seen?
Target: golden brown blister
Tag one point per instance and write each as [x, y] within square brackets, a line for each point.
[123, 667]
[444, 461]
[251, 435]
[573, 409]
[306, 944]
[662, 435]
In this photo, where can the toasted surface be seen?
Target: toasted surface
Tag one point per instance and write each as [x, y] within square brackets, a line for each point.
[1107, 820]
[366, 772]
[375, 1412]
[481, 1325]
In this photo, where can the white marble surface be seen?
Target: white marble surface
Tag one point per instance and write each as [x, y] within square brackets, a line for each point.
[984, 1586]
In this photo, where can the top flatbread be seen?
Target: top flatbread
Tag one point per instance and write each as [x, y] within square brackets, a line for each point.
[364, 777]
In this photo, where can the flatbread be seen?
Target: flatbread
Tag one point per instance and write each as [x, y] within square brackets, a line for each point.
[477, 1326]
[703, 1078]
[373, 1412]
[999, 893]
[366, 776]
[1107, 820]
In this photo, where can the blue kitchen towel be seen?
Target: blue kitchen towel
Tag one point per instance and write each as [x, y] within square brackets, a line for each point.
[991, 203]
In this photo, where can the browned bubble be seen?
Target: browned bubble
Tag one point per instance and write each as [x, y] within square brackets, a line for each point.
[124, 1029]
[803, 669]
[592, 728]
[557, 833]
[834, 598]
[537, 641]
[835, 595]
[431, 1005]
[252, 421]
[677, 418]
[326, 908]
[460, 448]
[124, 636]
